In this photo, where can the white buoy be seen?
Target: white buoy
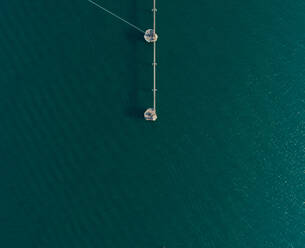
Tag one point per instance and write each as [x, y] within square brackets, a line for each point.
[150, 115]
[150, 35]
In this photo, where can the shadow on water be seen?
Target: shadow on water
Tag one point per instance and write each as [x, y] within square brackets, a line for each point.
[134, 38]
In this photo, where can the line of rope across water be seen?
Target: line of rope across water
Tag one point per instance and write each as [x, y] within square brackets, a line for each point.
[154, 58]
[116, 16]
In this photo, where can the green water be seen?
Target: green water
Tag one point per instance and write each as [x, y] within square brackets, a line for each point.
[223, 166]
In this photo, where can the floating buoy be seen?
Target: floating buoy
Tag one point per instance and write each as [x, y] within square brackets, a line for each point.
[150, 115]
[150, 35]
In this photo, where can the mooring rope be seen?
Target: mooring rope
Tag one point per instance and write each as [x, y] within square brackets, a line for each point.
[116, 16]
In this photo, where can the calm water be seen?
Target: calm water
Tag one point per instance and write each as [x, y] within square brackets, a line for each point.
[222, 167]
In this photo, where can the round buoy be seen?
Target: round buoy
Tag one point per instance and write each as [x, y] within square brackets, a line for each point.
[150, 115]
[150, 35]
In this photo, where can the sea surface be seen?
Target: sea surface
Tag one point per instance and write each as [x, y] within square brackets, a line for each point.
[222, 167]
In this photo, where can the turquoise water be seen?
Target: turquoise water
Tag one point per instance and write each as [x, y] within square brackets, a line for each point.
[224, 164]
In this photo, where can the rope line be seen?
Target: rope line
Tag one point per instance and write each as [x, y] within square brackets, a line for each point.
[116, 16]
